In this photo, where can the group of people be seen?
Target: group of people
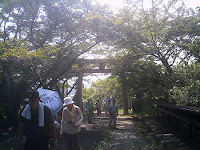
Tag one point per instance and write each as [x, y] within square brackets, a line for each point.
[110, 108]
[37, 125]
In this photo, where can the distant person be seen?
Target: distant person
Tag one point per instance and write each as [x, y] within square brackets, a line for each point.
[92, 104]
[36, 123]
[71, 124]
[113, 113]
[106, 106]
[84, 106]
[89, 109]
[98, 106]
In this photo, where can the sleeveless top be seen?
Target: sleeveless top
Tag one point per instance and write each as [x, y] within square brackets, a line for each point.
[68, 118]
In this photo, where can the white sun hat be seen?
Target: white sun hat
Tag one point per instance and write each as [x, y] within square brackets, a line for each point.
[67, 101]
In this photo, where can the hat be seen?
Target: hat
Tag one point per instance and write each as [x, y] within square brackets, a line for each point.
[32, 95]
[67, 101]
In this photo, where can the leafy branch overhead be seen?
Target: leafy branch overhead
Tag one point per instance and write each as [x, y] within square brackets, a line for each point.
[52, 34]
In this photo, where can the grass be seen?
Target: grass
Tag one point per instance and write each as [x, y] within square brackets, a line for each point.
[121, 112]
[102, 145]
[146, 112]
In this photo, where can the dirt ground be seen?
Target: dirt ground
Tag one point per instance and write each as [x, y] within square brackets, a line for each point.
[125, 137]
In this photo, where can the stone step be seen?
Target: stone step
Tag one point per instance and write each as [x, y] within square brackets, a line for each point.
[167, 139]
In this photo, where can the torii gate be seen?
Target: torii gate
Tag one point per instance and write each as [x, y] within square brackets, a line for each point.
[101, 69]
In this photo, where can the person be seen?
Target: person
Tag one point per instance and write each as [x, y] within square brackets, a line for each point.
[71, 124]
[36, 123]
[89, 110]
[107, 105]
[92, 104]
[98, 106]
[57, 125]
[84, 106]
[113, 113]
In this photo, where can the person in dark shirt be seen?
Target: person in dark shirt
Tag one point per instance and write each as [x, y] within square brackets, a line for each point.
[36, 123]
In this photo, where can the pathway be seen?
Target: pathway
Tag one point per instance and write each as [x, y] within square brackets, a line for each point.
[125, 137]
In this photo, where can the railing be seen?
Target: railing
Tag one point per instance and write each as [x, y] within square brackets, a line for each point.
[183, 115]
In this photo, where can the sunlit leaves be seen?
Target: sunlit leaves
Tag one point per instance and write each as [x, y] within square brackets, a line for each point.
[102, 89]
[20, 51]
[195, 49]
[186, 88]
[163, 31]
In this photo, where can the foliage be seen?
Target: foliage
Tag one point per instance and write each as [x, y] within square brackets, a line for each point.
[186, 88]
[145, 79]
[195, 49]
[102, 89]
[40, 41]
[71, 28]
[162, 33]
[88, 93]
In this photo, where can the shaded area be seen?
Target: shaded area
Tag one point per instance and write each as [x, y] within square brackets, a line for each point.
[92, 134]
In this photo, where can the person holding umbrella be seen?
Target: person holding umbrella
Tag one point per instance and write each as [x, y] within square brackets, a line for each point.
[70, 124]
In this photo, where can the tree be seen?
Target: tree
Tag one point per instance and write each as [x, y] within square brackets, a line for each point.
[186, 88]
[162, 33]
[102, 89]
[139, 78]
[40, 41]
[195, 49]
[70, 27]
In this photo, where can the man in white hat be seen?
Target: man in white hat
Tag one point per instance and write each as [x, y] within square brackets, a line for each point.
[70, 124]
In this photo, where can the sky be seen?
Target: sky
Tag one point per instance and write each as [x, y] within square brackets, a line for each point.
[117, 4]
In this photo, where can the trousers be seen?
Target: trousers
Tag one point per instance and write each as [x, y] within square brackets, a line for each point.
[72, 141]
[36, 144]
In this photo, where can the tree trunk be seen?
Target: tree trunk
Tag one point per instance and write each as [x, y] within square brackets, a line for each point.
[124, 94]
[12, 103]
[79, 91]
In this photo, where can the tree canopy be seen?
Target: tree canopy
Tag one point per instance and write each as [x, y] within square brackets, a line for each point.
[152, 48]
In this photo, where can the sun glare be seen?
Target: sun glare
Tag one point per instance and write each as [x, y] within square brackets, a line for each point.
[114, 4]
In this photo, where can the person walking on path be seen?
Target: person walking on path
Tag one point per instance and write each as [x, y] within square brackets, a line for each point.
[113, 113]
[89, 107]
[98, 106]
[71, 124]
[107, 105]
[36, 122]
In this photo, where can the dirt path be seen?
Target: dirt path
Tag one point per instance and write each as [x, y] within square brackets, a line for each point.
[125, 137]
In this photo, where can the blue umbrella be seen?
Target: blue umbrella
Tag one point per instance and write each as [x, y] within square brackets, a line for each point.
[107, 99]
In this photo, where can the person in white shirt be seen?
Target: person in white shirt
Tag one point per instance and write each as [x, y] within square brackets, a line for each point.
[71, 124]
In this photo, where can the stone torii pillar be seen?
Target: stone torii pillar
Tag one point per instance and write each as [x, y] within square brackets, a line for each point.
[81, 63]
[79, 101]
